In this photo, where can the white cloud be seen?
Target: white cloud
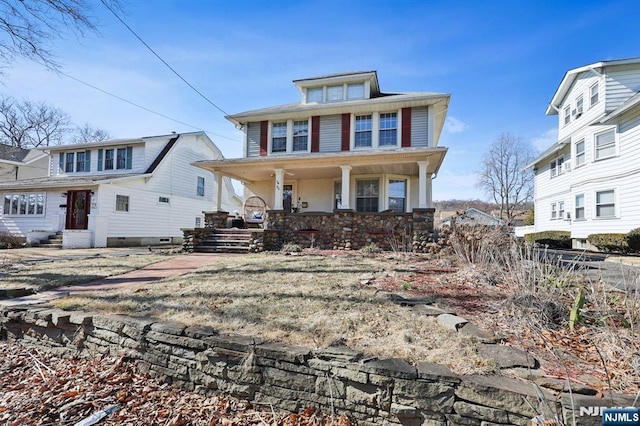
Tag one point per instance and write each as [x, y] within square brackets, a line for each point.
[545, 140]
[455, 125]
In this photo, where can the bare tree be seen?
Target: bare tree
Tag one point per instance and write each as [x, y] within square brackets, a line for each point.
[503, 176]
[28, 27]
[87, 133]
[28, 125]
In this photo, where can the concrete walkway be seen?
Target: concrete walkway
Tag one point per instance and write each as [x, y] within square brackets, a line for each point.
[172, 267]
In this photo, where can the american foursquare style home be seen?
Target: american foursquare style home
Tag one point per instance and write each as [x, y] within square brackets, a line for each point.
[346, 165]
[589, 181]
[112, 193]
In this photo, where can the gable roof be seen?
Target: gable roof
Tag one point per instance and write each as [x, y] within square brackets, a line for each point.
[571, 76]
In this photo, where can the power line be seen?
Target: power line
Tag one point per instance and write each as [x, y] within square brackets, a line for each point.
[162, 60]
[140, 106]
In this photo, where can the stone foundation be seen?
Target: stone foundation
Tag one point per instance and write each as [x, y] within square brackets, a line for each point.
[336, 379]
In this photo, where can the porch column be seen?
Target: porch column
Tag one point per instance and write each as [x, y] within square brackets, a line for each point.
[279, 181]
[218, 177]
[346, 180]
[424, 185]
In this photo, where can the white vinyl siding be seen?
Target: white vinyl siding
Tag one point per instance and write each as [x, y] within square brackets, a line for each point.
[420, 126]
[330, 133]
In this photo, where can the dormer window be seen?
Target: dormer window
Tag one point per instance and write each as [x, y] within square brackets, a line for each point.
[334, 93]
[314, 95]
[355, 91]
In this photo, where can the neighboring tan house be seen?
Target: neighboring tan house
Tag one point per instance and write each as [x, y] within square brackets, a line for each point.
[19, 163]
[589, 181]
[118, 192]
[346, 151]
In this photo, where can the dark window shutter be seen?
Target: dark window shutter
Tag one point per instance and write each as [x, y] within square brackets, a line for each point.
[406, 127]
[100, 157]
[315, 134]
[61, 163]
[87, 161]
[346, 131]
[129, 157]
[264, 130]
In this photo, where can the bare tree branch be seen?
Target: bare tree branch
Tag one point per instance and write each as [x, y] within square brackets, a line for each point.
[28, 125]
[503, 176]
[87, 133]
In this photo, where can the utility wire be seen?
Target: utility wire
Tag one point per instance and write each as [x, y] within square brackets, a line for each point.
[140, 106]
[162, 60]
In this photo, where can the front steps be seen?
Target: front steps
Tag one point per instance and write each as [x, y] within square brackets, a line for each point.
[54, 241]
[226, 241]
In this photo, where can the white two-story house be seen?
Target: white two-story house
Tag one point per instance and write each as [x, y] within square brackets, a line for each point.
[345, 146]
[118, 192]
[589, 181]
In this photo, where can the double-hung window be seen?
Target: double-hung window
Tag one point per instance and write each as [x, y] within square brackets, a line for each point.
[606, 144]
[300, 135]
[108, 159]
[200, 187]
[68, 166]
[579, 207]
[561, 210]
[554, 211]
[80, 159]
[388, 129]
[580, 153]
[363, 131]
[594, 94]
[367, 193]
[122, 203]
[279, 137]
[579, 105]
[567, 115]
[121, 158]
[605, 204]
[397, 195]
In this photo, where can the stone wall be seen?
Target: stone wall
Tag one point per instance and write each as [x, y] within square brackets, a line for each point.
[336, 379]
[350, 230]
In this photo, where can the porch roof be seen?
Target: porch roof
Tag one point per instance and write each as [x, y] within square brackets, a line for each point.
[315, 165]
[67, 181]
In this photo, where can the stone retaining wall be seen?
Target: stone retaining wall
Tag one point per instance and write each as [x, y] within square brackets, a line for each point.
[371, 391]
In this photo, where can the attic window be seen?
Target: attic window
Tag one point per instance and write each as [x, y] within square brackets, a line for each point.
[314, 95]
[334, 93]
[355, 91]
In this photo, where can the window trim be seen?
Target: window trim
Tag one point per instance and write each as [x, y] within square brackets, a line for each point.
[200, 189]
[375, 130]
[614, 144]
[583, 153]
[567, 115]
[127, 203]
[561, 210]
[293, 135]
[356, 131]
[614, 204]
[554, 211]
[390, 129]
[582, 207]
[597, 94]
[26, 196]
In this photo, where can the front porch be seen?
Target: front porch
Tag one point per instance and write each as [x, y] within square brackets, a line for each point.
[337, 230]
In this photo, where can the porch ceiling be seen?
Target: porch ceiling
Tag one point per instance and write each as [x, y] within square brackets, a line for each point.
[402, 161]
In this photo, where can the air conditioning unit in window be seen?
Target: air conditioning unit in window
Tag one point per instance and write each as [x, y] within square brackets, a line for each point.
[576, 112]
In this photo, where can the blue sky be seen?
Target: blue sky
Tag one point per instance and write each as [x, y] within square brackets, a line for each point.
[500, 60]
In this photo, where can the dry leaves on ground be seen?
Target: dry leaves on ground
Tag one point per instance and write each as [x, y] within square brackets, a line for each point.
[40, 388]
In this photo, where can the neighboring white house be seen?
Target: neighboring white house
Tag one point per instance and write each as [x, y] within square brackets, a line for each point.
[19, 163]
[472, 216]
[589, 181]
[345, 145]
[118, 192]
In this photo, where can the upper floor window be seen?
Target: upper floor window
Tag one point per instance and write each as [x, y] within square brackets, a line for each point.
[363, 131]
[115, 159]
[580, 153]
[279, 137]
[300, 135]
[594, 94]
[605, 144]
[557, 167]
[68, 167]
[579, 207]
[200, 187]
[75, 161]
[579, 106]
[334, 93]
[80, 161]
[315, 94]
[24, 204]
[367, 192]
[605, 204]
[388, 129]
[567, 114]
[355, 91]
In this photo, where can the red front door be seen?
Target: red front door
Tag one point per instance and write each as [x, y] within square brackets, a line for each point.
[78, 203]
